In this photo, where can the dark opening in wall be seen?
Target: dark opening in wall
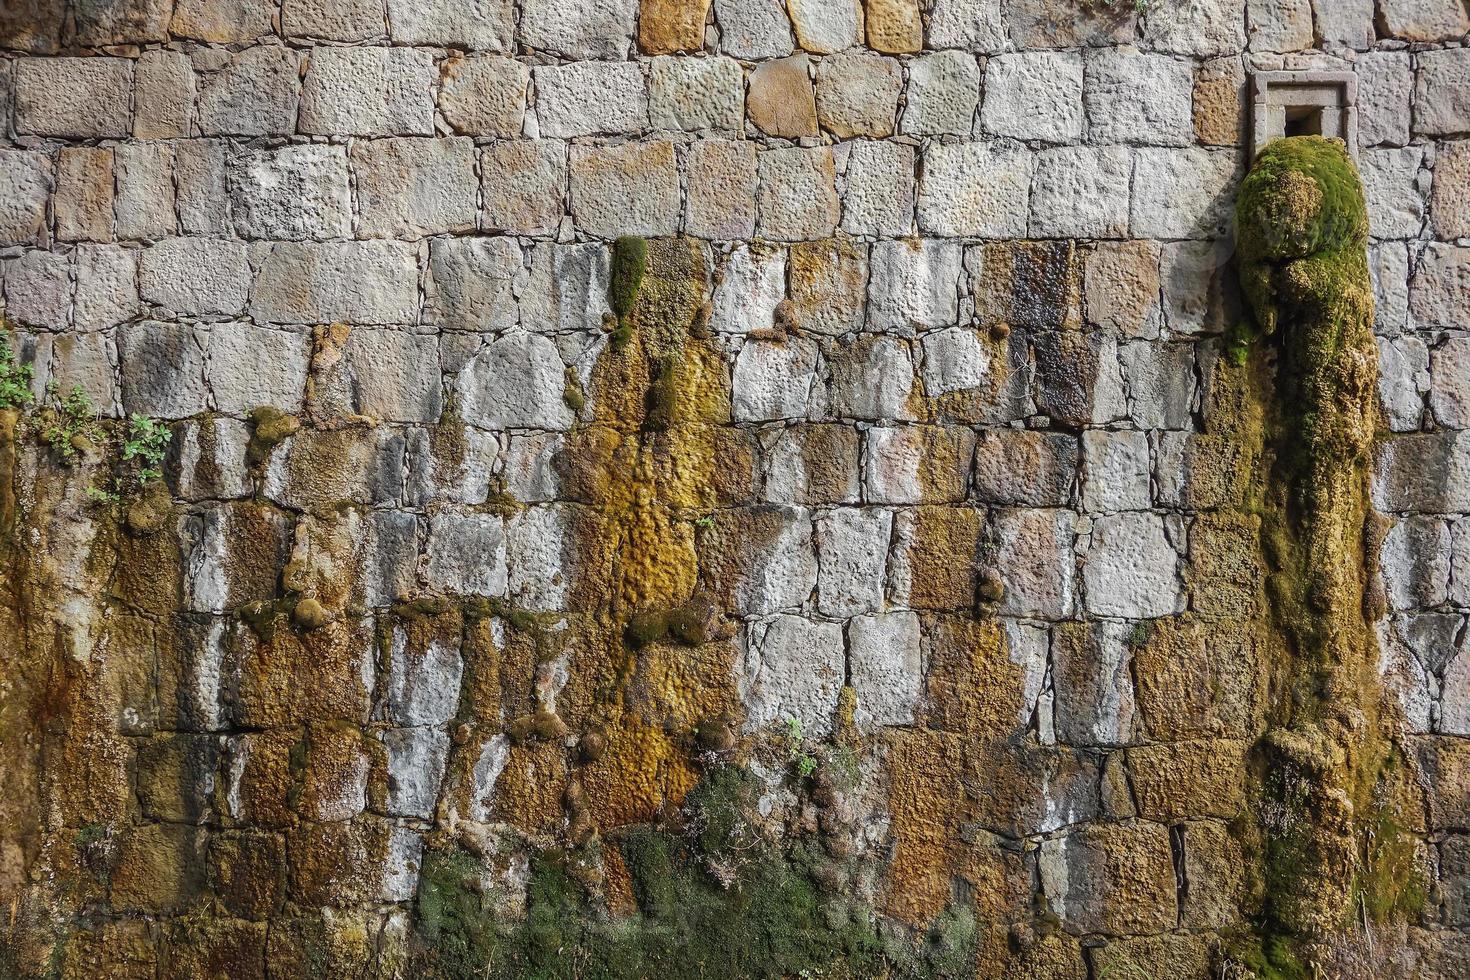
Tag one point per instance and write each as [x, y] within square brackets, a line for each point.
[1303, 121]
[1304, 103]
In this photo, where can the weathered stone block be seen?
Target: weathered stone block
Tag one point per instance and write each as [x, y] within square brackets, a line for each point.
[943, 95]
[812, 464]
[25, 185]
[696, 93]
[1131, 569]
[417, 758]
[1203, 28]
[773, 380]
[914, 284]
[966, 25]
[1425, 20]
[885, 667]
[976, 190]
[124, 22]
[826, 26]
[916, 464]
[852, 552]
[1160, 384]
[669, 26]
[761, 559]
[955, 359]
[754, 29]
[251, 366]
[1395, 186]
[1403, 381]
[368, 92]
[580, 28]
[1117, 471]
[782, 101]
[164, 96]
[1122, 288]
[255, 93]
[195, 276]
[1385, 91]
[1449, 394]
[1112, 879]
[523, 183]
[1450, 204]
[1415, 563]
[584, 98]
[1034, 95]
[291, 192]
[721, 184]
[1032, 550]
[1439, 292]
[229, 23]
[466, 553]
[878, 191]
[513, 383]
[857, 94]
[203, 197]
[894, 26]
[1133, 97]
[793, 669]
[78, 98]
[1018, 467]
[333, 20]
[1091, 673]
[1183, 193]
[1349, 23]
[83, 202]
[478, 25]
[1442, 93]
[484, 95]
[163, 369]
[1041, 24]
[1279, 25]
[632, 189]
[328, 282]
[1081, 192]
[160, 868]
[392, 375]
[568, 289]
[38, 290]
[328, 466]
[409, 188]
[144, 204]
[872, 378]
[472, 283]
[798, 195]
[107, 286]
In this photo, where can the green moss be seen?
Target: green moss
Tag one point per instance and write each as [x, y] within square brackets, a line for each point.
[686, 626]
[629, 261]
[572, 391]
[269, 428]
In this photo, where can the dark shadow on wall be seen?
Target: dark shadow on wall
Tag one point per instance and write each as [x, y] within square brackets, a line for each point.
[51, 26]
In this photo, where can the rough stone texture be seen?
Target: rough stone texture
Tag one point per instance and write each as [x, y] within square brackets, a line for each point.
[754, 28]
[826, 26]
[581, 99]
[943, 94]
[1034, 95]
[782, 101]
[484, 95]
[857, 95]
[580, 29]
[798, 196]
[696, 94]
[368, 92]
[975, 189]
[523, 184]
[409, 188]
[73, 97]
[1442, 93]
[1134, 97]
[721, 196]
[291, 193]
[1450, 203]
[878, 193]
[1182, 193]
[626, 190]
[324, 282]
[255, 94]
[669, 26]
[25, 183]
[195, 276]
[1426, 20]
[1081, 192]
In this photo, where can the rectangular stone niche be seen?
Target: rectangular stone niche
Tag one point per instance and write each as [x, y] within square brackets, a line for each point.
[1304, 103]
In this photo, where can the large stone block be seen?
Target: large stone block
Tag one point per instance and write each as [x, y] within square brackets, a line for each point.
[328, 282]
[38, 290]
[523, 184]
[203, 197]
[409, 188]
[1032, 551]
[754, 29]
[1018, 467]
[417, 759]
[1425, 20]
[77, 98]
[1131, 569]
[1123, 288]
[164, 98]
[586, 98]
[1439, 292]
[970, 26]
[484, 95]
[1091, 674]
[1442, 93]
[720, 189]
[392, 375]
[472, 283]
[1041, 24]
[1081, 192]
[291, 192]
[163, 369]
[83, 202]
[317, 467]
[976, 190]
[761, 560]
[478, 25]
[670, 26]
[878, 192]
[144, 206]
[1203, 28]
[122, 22]
[1279, 25]
[1385, 93]
[515, 382]
[1415, 563]
[222, 23]
[568, 288]
[252, 366]
[1449, 393]
[368, 92]
[914, 284]
[1395, 185]
[826, 26]
[798, 195]
[943, 95]
[1133, 97]
[1183, 193]
[696, 94]
[857, 94]
[255, 93]
[1111, 879]
[333, 20]
[885, 667]
[782, 101]
[1403, 380]
[916, 464]
[1450, 203]
[580, 28]
[872, 378]
[773, 381]
[195, 276]
[1034, 95]
[1116, 474]
[852, 553]
[25, 186]
[792, 672]
[107, 286]
[466, 554]
[955, 359]
[632, 189]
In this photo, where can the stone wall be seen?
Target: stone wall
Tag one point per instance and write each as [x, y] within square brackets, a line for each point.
[672, 489]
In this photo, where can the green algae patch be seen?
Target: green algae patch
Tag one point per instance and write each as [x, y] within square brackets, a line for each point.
[629, 261]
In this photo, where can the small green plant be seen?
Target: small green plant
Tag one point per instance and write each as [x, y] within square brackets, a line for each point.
[15, 378]
[73, 427]
[801, 760]
[705, 523]
[146, 440]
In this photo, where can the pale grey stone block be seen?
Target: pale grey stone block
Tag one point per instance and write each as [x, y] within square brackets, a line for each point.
[1395, 185]
[369, 92]
[1442, 93]
[530, 466]
[291, 192]
[456, 464]
[885, 667]
[1439, 293]
[524, 185]
[968, 25]
[720, 194]
[1160, 384]
[1423, 473]
[773, 380]
[38, 290]
[1139, 98]
[144, 205]
[249, 367]
[1346, 22]
[976, 190]
[25, 185]
[792, 673]
[1034, 95]
[201, 188]
[77, 98]
[1131, 569]
[85, 360]
[943, 94]
[1279, 25]
[536, 556]
[223, 23]
[1117, 471]
[1388, 267]
[106, 286]
[798, 193]
[914, 284]
[1032, 549]
[1415, 563]
[568, 288]
[696, 93]
[878, 195]
[478, 25]
[754, 29]
[1042, 24]
[1186, 193]
[255, 93]
[826, 26]
[872, 378]
[1403, 380]
[466, 554]
[580, 28]
[1203, 28]
[330, 282]
[955, 359]
[163, 368]
[1460, 566]
[781, 574]
[852, 555]
[1081, 192]
[857, 94]
[164, 96]
[752, 284]
[515, 382]
[1385, 90]
[1195, 276]
[417, 758]
[472, 283]
[422, 684]
[898, 466]
[409, 187]
[211, 458]
[1425, 20]
[1019, 467]
[392, 375]
[195, 276]
[1449, 392]
[585, 98]
[632, 189]
[333, 20]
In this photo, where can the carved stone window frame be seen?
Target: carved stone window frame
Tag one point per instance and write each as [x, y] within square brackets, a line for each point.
[1294, 103]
